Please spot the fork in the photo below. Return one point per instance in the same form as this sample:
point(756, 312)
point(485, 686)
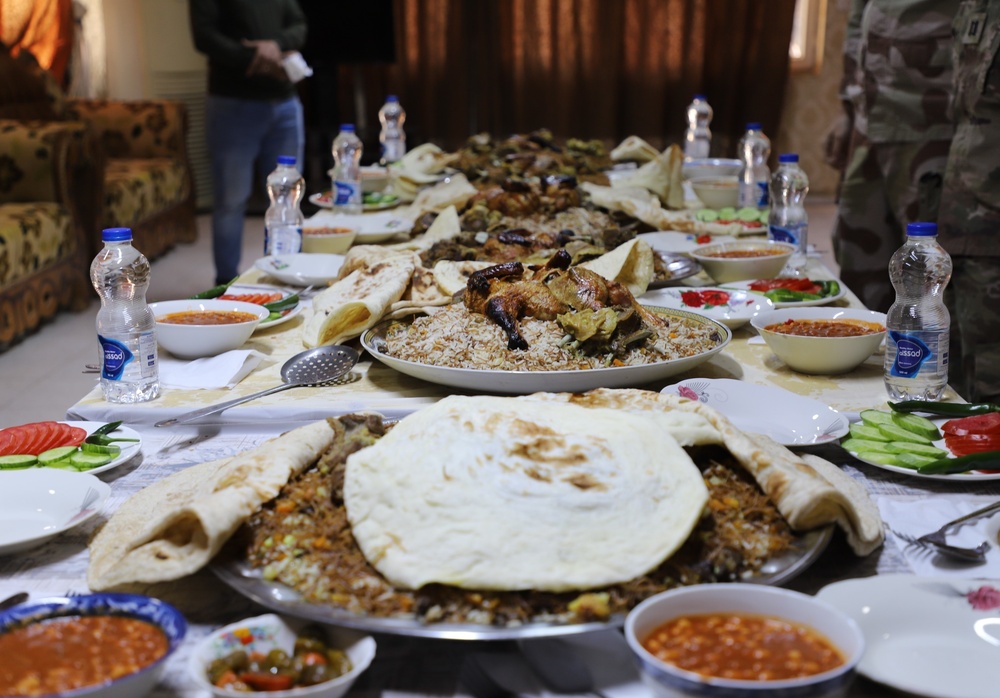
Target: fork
point(936, 541)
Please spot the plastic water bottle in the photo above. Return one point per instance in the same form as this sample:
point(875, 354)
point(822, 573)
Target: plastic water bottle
point(283, 218)
point(755, 176)
point(698, 136)
point(126, 328)
point(347, 149)
point(916, 348)
point(788, 220)
point(392, 137)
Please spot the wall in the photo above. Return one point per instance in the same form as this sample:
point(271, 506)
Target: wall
point(812, 104)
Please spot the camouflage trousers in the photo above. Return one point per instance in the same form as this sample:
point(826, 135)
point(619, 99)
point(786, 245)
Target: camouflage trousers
point(973, 299)
point(885, 186)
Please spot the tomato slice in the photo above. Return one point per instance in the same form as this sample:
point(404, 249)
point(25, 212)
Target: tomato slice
point(972, 443)
point(42, 434)
point(74, 435)
point(792, 284)
point(978, 424)
point(6, 441)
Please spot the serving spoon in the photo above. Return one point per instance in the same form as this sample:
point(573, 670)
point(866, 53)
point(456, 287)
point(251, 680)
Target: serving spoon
point(313, 367)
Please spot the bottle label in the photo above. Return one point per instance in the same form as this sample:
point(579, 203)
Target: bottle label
point(917, 349)
point(763, 196)
point(282, 240)
point(788, 233)
point(116, 357)
point(147, 355)
point(346, 193)
point(754, 194)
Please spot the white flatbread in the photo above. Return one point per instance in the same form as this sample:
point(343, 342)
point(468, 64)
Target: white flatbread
point(507, 494)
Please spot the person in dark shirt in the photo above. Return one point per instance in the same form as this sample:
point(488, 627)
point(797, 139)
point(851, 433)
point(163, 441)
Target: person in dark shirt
point(253, 113)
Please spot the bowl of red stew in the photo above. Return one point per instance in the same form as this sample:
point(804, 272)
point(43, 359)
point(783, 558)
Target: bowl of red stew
point(94, 645)
point(823, 341)
point(743, 259)
point(282, 657)
point(743, 640)
point(194, 328)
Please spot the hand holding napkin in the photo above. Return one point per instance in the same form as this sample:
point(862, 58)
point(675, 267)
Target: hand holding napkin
point(919, 515)
point(213, 372)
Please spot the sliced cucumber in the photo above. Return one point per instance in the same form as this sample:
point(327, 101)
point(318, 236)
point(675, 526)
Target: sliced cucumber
point(707, 215)
point(86, 461)
point(109, 450)
point(868, 433)
point(882, 457)
point(917, 424)
point(914, 460)
point(55, 455)
point(858, 445)
point(17, 461)
point(748, 213)
point(914, 447)
point(875, 417)
point(897, 433)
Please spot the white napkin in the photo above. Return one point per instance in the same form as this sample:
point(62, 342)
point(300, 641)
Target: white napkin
point(213, 372)
point(915, 515)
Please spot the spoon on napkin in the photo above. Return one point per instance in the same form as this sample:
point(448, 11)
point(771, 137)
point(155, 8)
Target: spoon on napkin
point(312, 367)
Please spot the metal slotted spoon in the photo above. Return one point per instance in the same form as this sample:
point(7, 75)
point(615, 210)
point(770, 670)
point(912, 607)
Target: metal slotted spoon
point(312, 367)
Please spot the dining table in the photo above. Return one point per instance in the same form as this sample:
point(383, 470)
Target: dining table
point(423, 666)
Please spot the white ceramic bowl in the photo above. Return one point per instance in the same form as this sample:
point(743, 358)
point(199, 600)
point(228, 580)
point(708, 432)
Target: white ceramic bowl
point(710, 167)
point(159, 613)
point(328, 240)
point(269, 631)
point(195, 341)
point(717, 191)
point(821, 355)
point(668, 681)
point(726, 269)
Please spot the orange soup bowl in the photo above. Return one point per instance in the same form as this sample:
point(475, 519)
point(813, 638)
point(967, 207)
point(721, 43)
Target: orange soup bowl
point(816, 647)
point(743, 259)
point(329, 240)
point(195, 328)
point(822, 341)
point(137, 635)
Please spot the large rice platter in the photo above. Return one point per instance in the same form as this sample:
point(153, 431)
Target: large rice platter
point(555, 508)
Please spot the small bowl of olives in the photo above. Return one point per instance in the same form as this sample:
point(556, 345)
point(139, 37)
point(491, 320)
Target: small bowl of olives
point(281, 657)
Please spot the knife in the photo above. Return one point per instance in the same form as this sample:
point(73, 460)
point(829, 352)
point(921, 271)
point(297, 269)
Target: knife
point(945, 409)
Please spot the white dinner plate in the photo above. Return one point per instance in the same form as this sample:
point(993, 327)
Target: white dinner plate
point(730, 307)
point(745, 286)
point(302, 268)
point(524, 382)
point(788, 418)
point(930, 636)
point(682, 243)
point(371, 227)
point(972, 475)
point(325, 200)
point(240, 289)
point(38, 504)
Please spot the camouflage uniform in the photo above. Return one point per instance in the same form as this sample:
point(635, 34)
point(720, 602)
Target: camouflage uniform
point(897, 81)
point(969, 224)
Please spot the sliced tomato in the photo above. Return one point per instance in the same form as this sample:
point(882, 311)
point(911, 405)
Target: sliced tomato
point(23, 436)
point(263, 681)
point(74, 435)
point(972, 443)
point(42, 434)
point(258, 298)
point(793, 284)
point(6, 440)
point(979, 424)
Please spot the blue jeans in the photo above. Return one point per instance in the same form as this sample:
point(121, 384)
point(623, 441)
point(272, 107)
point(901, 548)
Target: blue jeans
point(239, 133)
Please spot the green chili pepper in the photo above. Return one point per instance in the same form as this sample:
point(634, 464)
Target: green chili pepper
point(100, 435)
point(787, 295)
point(829, 288)
point(215, 291)
point(106, 429)
point(944, 409)
point(987, 460)
point(283, 304)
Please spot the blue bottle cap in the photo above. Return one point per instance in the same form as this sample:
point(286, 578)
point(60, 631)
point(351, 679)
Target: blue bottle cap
point(116, 234)
point(753, 126)
point(921, 229)
point(286, 160)
point(700, 96)
point(788, 157)
point(347, 127)
point(392, 98)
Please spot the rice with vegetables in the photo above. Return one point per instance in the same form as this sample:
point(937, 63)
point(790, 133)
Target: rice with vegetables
point(454, 337)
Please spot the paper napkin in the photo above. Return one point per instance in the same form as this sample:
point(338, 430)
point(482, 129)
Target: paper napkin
point(213, 372)
point(915, 516)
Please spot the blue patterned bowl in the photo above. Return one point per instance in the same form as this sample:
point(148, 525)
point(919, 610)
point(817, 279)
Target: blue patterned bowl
point(159, 613)
point(666, 680)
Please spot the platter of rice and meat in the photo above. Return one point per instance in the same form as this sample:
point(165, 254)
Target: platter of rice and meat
point(483, 518)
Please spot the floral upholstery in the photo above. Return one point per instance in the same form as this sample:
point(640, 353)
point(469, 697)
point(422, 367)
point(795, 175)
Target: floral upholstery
point(136, 189)
point(140, 129)
point(32, 237)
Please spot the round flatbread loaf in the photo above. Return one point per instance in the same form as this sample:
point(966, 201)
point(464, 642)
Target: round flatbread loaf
point(508, 494)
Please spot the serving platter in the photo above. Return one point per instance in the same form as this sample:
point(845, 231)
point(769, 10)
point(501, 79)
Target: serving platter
point(971, 476)
point(524, 382)
point(372, 227)
point(286, 315)
point(745, 286)
point(302, 268)
point(732, 308)
point(680, 243)
point(38, 504)
point(237, 573)
point(670, 268)
point(788, 418)
point(325, 200)
point(929, 636)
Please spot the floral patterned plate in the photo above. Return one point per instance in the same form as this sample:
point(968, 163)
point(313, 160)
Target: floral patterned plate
point(929, 636)
point(732, 308)
point(788, 418)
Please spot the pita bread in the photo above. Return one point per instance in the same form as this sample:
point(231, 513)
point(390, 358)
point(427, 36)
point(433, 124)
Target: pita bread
point(509, 494)
point(635, 149)
point(808, 491)
point(452, 277)
point(455, 191)
point(662, 176)
point(630, 263)
point(356, 302)
point(175, 526)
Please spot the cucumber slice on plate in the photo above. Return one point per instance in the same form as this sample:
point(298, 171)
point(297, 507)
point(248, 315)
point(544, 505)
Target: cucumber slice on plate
point(868, 433)
point(917, 424)
point(86, 461)
point(875, 417)
point(17, 461)
point(916, 448)
point(110, 449)
point(894, 432)
point(56, 455)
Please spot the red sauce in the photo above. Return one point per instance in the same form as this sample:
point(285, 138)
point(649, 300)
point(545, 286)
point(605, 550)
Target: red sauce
point(206, 317)
point(825, 328)
point(747, 254)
